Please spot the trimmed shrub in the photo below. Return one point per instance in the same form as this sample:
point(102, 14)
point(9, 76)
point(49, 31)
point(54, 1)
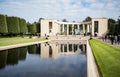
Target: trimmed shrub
point(23, 26)
point(3, 24)
point(32, 29)
point(38, 27)
point(13, 25)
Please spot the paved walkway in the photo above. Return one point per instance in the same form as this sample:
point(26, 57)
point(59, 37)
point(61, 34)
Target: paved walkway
point(77, 37)
point(108, 42)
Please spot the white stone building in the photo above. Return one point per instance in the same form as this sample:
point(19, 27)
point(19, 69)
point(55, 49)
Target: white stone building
point(52, 27)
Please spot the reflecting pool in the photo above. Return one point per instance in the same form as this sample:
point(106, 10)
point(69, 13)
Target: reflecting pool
point(45, 60)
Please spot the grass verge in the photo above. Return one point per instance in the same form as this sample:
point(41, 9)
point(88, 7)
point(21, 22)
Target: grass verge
point(17, 40)
point(107, 57)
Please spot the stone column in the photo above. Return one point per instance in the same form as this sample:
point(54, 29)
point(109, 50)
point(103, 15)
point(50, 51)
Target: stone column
point(83, 48)
point(72, 48)
point(63, 48)
point(72, 28)
point(67, 47)
point(88, 29)
point(67, 29)
point(77, 47)
point(83, 28)
point(91, 28)
point(63, 28)
point(78, 28)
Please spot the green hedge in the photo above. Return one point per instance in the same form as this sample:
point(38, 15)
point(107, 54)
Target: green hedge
point(3, 24)
point(23, 26)
point(37, 27)
point(32, 28)
point(13, 25)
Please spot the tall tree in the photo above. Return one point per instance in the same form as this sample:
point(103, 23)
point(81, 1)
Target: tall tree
point(111, 26)
point(13, 25)
point(23, 26)
point(37, 26)
point(3, 24)
point(40, 19)
point(87, 19)
point(64, 20)
point(118, 25)
point(32, 28)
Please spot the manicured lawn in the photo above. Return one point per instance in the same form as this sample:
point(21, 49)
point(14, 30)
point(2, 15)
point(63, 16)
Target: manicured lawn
point(107, 57)
point(17, 40)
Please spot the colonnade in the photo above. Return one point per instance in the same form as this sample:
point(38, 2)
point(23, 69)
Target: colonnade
point(72, 48)
point(75, 29)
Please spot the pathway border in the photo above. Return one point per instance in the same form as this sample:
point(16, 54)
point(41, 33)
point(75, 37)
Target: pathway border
point(21, 45)
point(92, 70)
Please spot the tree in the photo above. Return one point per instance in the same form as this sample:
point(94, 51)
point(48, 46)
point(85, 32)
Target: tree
point(64, 20)
point(37, 26)
point(40, 19)
point(118, 25)
point(23, 26)
point(111, 26)
point(87, 19)
point(32, 28)
point(13, 25)
point(3, 24)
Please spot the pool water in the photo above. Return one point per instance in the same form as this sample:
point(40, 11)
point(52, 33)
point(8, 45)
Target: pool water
point(44, 60)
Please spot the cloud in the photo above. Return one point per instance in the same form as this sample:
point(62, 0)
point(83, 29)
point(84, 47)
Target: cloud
point(72, 10)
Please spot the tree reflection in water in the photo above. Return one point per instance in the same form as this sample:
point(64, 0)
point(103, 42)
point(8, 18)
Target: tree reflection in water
point(47, 53)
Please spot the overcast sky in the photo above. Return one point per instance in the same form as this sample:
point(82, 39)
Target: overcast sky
point(72, 10)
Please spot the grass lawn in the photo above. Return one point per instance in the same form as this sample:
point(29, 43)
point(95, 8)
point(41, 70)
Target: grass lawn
point(107, 57)
point(17, 40)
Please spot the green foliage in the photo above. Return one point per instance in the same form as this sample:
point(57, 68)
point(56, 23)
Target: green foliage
point(13, 56)
point(37, 27)
point(32, 28)
point(23, 26)
point(30, 36)
point(32, 49)
point(114, 26)
point(111, 26)
point(3, 24)
point(107, 57)
point(3, 58)
point(23, 53)
point(13, 25)
point(64, 20)
point(87, 19)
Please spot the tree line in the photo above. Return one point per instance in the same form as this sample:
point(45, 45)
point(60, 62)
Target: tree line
point(114, 26)
point(13, 26)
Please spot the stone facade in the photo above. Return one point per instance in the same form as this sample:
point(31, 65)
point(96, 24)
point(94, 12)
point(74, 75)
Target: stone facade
point(98, 26)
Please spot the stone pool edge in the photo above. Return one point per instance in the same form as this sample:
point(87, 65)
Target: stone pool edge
point(21, 45)
point(92, 70)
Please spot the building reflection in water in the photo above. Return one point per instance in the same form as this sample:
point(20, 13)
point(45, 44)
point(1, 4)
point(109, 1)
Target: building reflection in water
point(45, 50)
point(52, 50)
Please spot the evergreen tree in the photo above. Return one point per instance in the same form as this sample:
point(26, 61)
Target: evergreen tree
point(3, 24)
point(87, 19)
point(23, 26)
point(32, 28)
point(13, 25)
